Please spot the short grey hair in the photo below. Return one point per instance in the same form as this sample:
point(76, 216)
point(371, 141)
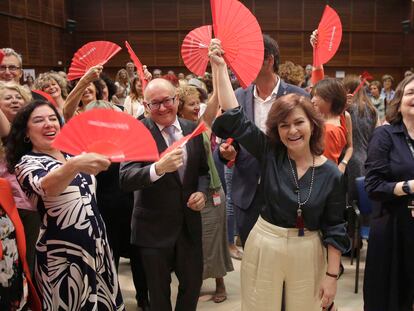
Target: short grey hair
point(11, 52)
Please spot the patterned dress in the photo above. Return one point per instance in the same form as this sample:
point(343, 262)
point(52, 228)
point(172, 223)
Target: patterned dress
point(75, 269)
point(13, 284)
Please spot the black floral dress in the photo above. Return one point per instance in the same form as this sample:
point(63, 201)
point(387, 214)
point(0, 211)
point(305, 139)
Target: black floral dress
point(13, 285)
point(75, 268)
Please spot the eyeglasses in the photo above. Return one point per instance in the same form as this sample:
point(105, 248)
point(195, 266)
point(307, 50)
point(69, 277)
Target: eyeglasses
point(167, 103)
point(11, 68)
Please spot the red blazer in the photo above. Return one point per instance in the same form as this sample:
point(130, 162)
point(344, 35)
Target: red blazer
point(7, 203)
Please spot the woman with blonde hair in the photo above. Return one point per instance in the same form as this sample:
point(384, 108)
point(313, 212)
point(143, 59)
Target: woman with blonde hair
point(55, 85)
point(133, 103)
point(13, 97)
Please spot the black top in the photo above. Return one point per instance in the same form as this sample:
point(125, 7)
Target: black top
point(389, 271)
point(276, 195)
point(389, 161)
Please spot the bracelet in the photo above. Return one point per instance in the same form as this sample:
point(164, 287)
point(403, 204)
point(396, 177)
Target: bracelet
point(335, 276)
point(344, 162)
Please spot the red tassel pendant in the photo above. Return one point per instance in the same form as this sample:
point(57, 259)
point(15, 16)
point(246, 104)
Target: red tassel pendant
point(299, 223)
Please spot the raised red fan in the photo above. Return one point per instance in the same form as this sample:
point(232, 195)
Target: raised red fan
point(329, 37)
point(241, 38)
point(1, 55)
point(194, 49)
point(137, 64)
point(91, 54)
point(114, 134)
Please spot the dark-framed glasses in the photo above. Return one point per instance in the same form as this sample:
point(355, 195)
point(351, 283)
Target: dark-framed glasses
point(167, 103)
point(12, 68)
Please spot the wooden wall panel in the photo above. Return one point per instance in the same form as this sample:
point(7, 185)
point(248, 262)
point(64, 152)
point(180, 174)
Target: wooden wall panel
point(290, 45)
point(46, 11)
point(267, 14)
point(313, 10)
point(363, 15)
point(17, 7)
point(140, 15)
point(165, 14)
point(166, 48)
point(33, 9)
point(362, 47)
point(387, 51)
point(34, 49)
point(115, 16)
point(88, 15)
point(291, 15)
point(17, 30)
point(59, 15)
point(389, 15)
point(190, 14)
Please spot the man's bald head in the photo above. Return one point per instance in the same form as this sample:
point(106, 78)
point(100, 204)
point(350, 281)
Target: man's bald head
point(157, 84)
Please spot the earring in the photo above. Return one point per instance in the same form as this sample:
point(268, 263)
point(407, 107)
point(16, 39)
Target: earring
point(26, 139)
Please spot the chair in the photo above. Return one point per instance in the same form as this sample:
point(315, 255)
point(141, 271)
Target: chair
point(363, 208)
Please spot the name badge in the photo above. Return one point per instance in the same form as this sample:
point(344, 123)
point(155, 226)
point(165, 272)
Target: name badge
point(411, 204)
point(217, 199)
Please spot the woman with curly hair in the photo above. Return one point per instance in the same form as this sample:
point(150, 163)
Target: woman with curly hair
point(55, 85)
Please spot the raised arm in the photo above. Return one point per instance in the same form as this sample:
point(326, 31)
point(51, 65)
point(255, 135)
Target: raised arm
point(226, 97)
point(74, 97)
point(4, 125)
point(212, 104)
point(317, 72)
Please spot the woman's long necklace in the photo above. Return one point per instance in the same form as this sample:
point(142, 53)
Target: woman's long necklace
point(299, 218)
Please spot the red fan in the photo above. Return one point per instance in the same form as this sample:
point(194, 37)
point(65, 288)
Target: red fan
point(114, 134)
point(181, 142)
point(44, 96)
point(364, 77)
point(241, 38)
point(329, 37)
point(194, 49)
point(91, 54)
point(137, 64)
point(1, 55)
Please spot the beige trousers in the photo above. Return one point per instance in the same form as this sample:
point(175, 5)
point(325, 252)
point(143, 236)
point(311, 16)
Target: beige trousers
point(274, 256)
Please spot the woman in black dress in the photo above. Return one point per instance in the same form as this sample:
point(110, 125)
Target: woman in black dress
point(389, 271)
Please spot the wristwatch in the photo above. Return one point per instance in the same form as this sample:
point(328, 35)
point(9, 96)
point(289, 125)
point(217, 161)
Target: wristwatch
point(406, 188)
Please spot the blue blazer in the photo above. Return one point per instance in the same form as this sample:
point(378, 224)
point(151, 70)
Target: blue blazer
point(246, 173)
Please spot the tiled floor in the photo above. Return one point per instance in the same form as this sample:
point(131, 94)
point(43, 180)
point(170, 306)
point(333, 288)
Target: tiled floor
point(346, 300)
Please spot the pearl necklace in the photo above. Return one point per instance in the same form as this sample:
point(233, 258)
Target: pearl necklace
point(299, 217)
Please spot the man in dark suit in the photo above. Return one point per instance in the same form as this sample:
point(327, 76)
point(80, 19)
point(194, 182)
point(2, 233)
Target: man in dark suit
point(168, 197)
point(256, 101)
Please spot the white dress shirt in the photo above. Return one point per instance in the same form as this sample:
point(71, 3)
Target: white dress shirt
point(262, 107)
point(178, 135)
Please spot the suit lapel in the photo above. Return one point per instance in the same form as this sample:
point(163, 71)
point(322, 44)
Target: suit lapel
point(282, 89)
point(248, 94)
point(156, 133)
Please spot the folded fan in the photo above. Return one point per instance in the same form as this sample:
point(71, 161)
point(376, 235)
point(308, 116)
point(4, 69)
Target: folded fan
point(114, 134)
point(181, 142)
point(329, 37)
point(137, 64)
point(91, 54)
